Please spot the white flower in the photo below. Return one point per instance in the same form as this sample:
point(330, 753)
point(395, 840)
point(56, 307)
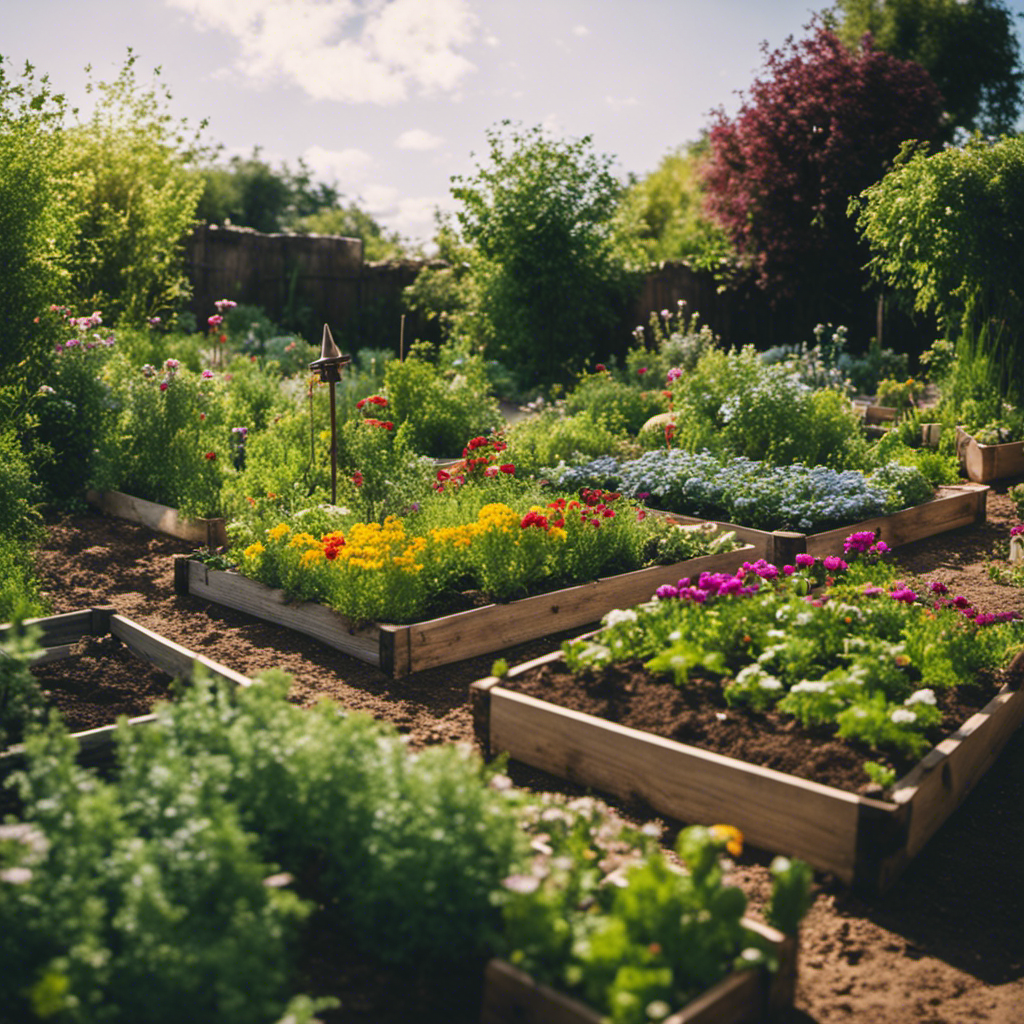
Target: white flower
point(901, 716)
point(617, 615)
point(921, 697)
point(769, 683)
point(808, 686)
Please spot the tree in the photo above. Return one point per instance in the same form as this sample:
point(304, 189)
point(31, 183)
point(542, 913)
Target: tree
point(668, 206)
point(821, 125)
point(551, 264)
point(131, 165)
point(969, 47)
point(946, 230)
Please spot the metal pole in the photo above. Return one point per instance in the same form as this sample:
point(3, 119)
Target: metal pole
point(334, 451)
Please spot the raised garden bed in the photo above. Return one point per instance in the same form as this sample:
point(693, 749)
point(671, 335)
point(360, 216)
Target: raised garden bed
point(984, 463)
point(742, 997)
point(62, 633)
point(953, 506)
point(864, 842)
point(163, 519)
point(400, 650)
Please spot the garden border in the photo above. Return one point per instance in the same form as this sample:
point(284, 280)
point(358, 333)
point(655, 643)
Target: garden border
point(162, 518)
point(60, 633)
point(742, 997)
point(864, 842)
point(986, 462)
point(953, 506)
point(399, 650)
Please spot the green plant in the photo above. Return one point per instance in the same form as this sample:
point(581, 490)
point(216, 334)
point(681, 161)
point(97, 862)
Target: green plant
point(21, 700)
point(550, 438)
point(619, 407)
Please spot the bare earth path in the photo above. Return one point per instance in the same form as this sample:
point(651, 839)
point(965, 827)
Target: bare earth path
point(944, 946)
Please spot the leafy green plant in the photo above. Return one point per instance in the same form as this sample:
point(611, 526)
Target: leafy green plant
point(619, 407)
point(548, 439)
point(22, 703)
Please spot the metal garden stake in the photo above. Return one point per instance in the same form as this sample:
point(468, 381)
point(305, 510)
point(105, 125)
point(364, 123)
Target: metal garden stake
point(329, 367)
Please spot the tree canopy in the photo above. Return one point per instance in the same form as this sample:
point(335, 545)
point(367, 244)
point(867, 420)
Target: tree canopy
point(969, 47)
point(820, 125)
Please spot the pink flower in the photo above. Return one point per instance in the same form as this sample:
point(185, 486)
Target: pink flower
point(834, 564)
point(642, 370)
point(674, 373)
point(938, 588)
point(600, 368)
point(491, 471)
point(904, 594)
point(207, 374)
point(805, 561)
point(163, 385)
point(216, 320)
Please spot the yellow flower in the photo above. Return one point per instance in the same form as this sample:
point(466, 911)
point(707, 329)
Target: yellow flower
point(557, 533)
point(279, 531)
point(730, 835)
point(304, 540)
point(253, 550)
point(310, 556)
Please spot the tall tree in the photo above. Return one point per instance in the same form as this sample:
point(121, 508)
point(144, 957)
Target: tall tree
point(969, 47)
point(820, 125)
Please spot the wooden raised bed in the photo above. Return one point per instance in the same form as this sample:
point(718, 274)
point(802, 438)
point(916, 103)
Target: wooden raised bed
point(400, 650)
point(864, 842)
point(986, 462)
point(209, 532)
point(953, 506)
point(742, 997)
point(60, 633)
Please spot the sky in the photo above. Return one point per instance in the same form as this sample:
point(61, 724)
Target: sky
point(390, 98)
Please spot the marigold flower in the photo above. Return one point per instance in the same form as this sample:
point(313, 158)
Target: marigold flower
point(279, 531)
point(731, 836)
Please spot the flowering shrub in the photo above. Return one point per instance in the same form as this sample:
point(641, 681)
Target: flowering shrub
point(865, 655)
point(752, 493)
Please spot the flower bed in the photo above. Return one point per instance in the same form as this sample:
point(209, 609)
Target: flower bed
point(209, 532)
point(864, 840)
point(58, 635)
point(986, 462)
point(399, 650)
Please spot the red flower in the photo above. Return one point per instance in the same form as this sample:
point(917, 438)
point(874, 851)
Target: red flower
point(442, 476)
point(357, 478)
point(377, 400)
point(333, 543)
point(491, 471)
point(360, 403)
point(533, 519)
point(163, 385)
point(223, 338)
point(210, 456)
point(600, 368)
point(507, 468)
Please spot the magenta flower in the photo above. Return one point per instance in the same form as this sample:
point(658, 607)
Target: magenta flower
point(961, 602)
point(938, 588)
point(870, 591)
point(881, 548)
point(206, 374)
point(1016, 531)
point(833, 563)
point(805, 561)
point(642, 370)
point(215, 321)
point(163, 385)
point(904, 594)
point(859, 542)
point(674, 374)
point(666, 591)
point(788, 570)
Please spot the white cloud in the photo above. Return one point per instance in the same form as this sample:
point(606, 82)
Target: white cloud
point(348, 167)
point(619, 103)
point(417, 138)
point(580, 30)
point(492, 41)
point(357, 51)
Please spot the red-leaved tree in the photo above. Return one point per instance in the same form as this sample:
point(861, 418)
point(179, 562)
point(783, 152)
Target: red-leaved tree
point(821, 124)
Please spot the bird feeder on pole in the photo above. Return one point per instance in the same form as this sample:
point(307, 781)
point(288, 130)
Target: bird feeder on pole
point(328, 366)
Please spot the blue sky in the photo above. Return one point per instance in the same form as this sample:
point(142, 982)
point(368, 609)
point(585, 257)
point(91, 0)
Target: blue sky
point(389, 98)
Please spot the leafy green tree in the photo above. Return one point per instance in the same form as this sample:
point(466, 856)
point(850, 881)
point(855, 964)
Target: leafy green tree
point(969, 48)
point(551, 263)
point(352, 222)
point(38, 217)
point(946, 232)
point(668, 205)
point(131, 164)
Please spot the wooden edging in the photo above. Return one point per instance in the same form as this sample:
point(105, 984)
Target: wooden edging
point(953, 506)
point(401, 650)
point(984, 463)
point(743, 997)
point(865, 843)
point(59, 634)
point(209, 532)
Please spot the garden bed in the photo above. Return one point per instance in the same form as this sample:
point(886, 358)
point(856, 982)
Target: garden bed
point(208, 532)
point(984, 463)
point(742, 997)
point(399, 650)
point(864, 841)
point(954, 506)
point(74, 633)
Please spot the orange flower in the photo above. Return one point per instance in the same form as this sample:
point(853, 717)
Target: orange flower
point(731, 836)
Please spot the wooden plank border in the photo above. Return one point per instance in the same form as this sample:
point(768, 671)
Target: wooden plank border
point(399, 650)
point(511, 996)
point(865, 843)
point(209, 532)
point(984, 463)
point(953, 506)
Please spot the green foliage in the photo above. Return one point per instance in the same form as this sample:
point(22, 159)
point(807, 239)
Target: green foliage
point(440, 407)
point(791, 894)
point(667, 204)
point(21, 700)
point(550, 438)
point(130, 162)
point(674, 339)
point(551, 266)
point(619, 407)
point(38, 219)
point(970, 50)
point(943, 232)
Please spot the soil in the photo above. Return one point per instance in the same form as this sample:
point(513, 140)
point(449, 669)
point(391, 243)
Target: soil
point(944, 946)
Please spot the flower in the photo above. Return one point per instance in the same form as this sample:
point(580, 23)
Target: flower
point(207, 374)
point(163, 385)
point(833, 563)
point(921, 697)
point(860, 542)
point(600, 368)
point(215, 321)
point(357, 478)
point(730, 835)
point(642, 370)
point(804, 561)
point(507, 468)
point(210, 456)
point(225, 304)
point(904, 594)
point(253, 550)
point(901, 716)
point(674, 373)
point(938, 588)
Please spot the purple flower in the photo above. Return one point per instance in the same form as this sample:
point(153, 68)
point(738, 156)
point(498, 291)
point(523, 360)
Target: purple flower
point(765, 570)
point(805, 561)
point(984, 619)
point(240, 430)
point(666, 591)
point(961, 602)
point(938, 588)
point(788, 570)
point(833, 563)
point(1016, 531)
point(731, 586)
point(881, 548)
point(859, 542)
point(904, 594)
point(870, 591)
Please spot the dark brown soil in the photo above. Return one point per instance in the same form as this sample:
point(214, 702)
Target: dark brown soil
point(944, 946)
point(697, 714)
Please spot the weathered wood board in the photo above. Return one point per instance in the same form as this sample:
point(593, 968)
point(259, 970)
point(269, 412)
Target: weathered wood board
point(865, 843)
point(400, 650)
point(210, 532)
point(953, 506)
point(984, 463)
point(744, 997)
